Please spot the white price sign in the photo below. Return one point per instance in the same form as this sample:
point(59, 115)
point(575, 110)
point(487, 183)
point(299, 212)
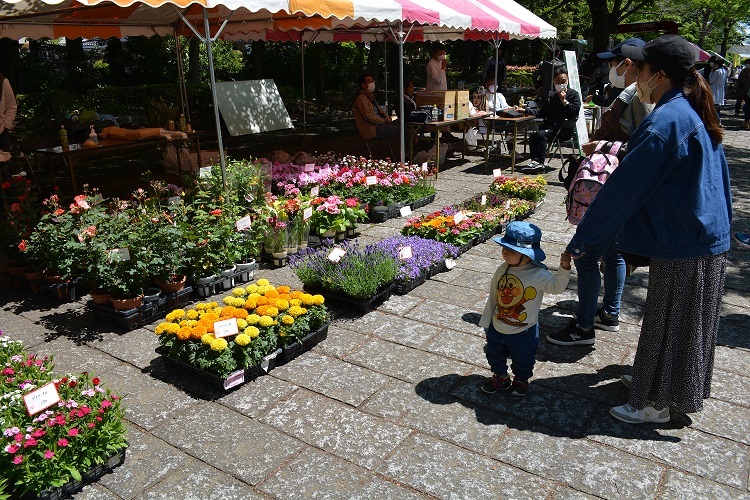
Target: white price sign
point(424, 167)
point(404, 253)
point(498, 172)
point(243, 223)
point(41, 399)
point(307, 213)
point(458, 217)
point(309, 167)
point(335, 254)
point(484, 199)
point(314, 191)
point(226, 328)
point(174, 200)
point(405, 211)
point(119, 255)
point(450, 264)
point(234, 379)
point(371, 180)
point(204, 172)
point(507, 204)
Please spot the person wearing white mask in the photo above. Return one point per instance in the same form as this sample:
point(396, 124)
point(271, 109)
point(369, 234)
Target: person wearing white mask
point(562, 104)
point(718, 82)
point(436, 76)
point(372, 122)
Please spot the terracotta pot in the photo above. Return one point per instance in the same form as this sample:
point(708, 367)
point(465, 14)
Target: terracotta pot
point(15, 269)
point(52, 279)
point(127, 304)
point(33, 275)
point(174, 285)
point(99, 296)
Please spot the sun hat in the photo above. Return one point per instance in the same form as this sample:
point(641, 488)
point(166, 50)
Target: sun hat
point(617, 49)
point(524, 238)
point(671, 53)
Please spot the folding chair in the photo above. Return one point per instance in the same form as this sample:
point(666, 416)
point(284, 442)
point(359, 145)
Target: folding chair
point(555, 145)
point(380, 146)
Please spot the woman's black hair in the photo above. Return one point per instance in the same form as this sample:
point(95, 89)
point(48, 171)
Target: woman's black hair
point(363, 79)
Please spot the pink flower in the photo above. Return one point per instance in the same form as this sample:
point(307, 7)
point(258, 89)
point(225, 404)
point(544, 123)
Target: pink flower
point(38, 433)
point(62, 442)
point(30, 442)
point(12, 448)
point(80, 200)
point(18, 459)
point(91, 425)
point(73, 432)
point(106, 403)
point(48, 454)
point(352, 202)
point(8, 371)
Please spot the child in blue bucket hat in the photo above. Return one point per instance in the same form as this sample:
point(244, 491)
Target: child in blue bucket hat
point(511, 314)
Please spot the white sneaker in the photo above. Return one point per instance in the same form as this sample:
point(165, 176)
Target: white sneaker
point(627, 380)
point(630, 415)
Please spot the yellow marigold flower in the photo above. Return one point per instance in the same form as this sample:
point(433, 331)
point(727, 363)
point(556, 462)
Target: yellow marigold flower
point(192, 314)
point(218, 344)
point(183, 322)
point(217, 310)
point(250, 304)
point(239, 292)
point(173, 328)
point(207, 339)
point(265, 321)
point(179, 313)
point(214, 304)
point(241, 323)
point(296, 294)
point(283, 289)
point(254, 295)
point(272, 294)
point(288, 319)
point(242, 339)
point(227, 301)
point(252, 319)
point(296, 311)
point(281, 304)
point(190, 322)
point(200, 306)
point(251, 332)
point(171, 316)
point(263, 282)
point(184, 333)
point(318, 300)
point(251, 288)
point(282, 333)
point(263, 289)
point(307, 299)
point(160, 328)
point(295, 302)
point(272, 311)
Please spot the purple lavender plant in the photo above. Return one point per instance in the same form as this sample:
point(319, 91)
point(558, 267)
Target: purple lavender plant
point(425, 254)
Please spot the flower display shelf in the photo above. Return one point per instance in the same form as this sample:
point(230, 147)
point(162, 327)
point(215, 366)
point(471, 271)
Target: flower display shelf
point(140, 316)
point(227, 383)
point(422, 202)
point(291, 351)
point(361, 305)
point(90, 476)
point(403, 287)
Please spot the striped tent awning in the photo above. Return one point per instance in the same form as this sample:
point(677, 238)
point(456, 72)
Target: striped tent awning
point(332, 20)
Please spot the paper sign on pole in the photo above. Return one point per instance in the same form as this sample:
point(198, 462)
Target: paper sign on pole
point(204, 172)
point(307, 213)
point(309, 167)
point(174, 200)
point(119, 255)
point(314, 191)
point(458, 217)
point(405, 253)
point(498, 172)
point(371, 180)
point(484, 199)
point(450, 264)
point(243, 223)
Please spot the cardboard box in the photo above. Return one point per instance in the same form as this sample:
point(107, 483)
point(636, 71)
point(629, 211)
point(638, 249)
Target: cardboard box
point(443, 99)
point(462, 109)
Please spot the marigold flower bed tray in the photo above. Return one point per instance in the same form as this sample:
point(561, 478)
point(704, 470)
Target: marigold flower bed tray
point(90, 476)
point(290, 352)
point(231, 381)
point(144, 315)
point(361, 305)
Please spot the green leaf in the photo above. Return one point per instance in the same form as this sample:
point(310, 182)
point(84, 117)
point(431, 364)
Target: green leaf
point(76, 475)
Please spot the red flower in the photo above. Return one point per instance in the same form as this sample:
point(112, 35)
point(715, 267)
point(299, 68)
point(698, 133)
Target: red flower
point(216, 212)
point(106, 403)
point(91, 425)
point(18, 459)
point(72, 383)
point(30, 442)
point(6, 185)
point(95, 381)
point(48, 454)
point(38, 433)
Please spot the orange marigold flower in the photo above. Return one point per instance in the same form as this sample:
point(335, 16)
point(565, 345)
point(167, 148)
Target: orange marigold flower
point(228, 312)
point(261, 310)
point(285, 296)
point(297, 294)
point(184, 333)
point(262, 301)
point(283, 289)
point(198, 332)
point(251, 304)
point(240, 313)
point(272, 294)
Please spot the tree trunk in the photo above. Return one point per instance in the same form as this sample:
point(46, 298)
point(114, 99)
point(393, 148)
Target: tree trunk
point(76, 59)
point(320, 80)
point(725, 38)
point(114, 56)
point(194, 52)
point(9, 62)
point(705, 17)
point(257, 55)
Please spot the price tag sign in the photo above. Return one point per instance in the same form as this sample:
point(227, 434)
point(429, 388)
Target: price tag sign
point(226, 328)
point(314, 191)
point(458, 217)
point(507, 204)
point(371, 180)
point(405, 211)
point(234, 379)
point(404, 253)
point(310, 167)
point(307, 213)
point(335, 254)
point(498, 172)
point(265, 361)
point(119, 255)
point(484, 199)
point(424, 167)
point(204, 172)
point(174, 200)
point(450, 264)
point(243, 223)
point(41, 399)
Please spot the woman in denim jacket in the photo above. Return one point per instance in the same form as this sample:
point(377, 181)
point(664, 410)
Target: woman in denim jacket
point(669, 200)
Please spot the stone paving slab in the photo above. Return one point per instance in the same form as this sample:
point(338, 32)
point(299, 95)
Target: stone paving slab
point(253, 399)
point(230, 441)
point(723, 419)
point(400, 304)
point(678, 485)
point(337, 428)
point(458, 345)
point(136, 347)
point(406, 331)
point(69, 358)
point(340, 341)
point(731, 388)
point(198, 481)
point(454, 316)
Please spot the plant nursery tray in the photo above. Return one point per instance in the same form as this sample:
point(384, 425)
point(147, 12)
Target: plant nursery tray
point(146, 314)
point(66, 291)
point(422, 202)
point(229, 382)
point(486, 235)
point(436, 268)
point(90, 476)
point(466, 247)
point(290, 352)
point(361, 305)
point(404, 287)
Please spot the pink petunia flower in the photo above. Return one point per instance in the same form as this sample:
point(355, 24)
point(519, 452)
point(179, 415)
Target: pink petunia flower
point(18, 459)
point(73, 432)
point(62, 442)
point(48, 454)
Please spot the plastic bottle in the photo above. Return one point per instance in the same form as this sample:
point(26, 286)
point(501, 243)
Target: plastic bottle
point(183, 123)
point(92, 135)
point(63, 137)
point(521, 102)
point(435, 113)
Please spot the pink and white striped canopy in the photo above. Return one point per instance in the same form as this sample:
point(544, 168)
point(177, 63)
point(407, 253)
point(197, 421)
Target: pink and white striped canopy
point(331, 20)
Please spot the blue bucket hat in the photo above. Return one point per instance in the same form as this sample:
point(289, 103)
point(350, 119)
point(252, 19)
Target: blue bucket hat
point(525, 239)
point(617, 50)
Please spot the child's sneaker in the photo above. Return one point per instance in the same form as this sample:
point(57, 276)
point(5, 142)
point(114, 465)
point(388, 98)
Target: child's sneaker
point(495, 383)
point(519, 387)
point(604, 321)
point(572, 335)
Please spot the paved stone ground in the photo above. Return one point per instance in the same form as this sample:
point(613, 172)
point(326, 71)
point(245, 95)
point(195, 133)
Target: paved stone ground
point(388, 405)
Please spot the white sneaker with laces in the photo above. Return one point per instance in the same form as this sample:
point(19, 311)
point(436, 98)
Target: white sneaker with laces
point(630, 415)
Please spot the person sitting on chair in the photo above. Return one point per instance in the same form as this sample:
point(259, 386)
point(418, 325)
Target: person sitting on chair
point(562, 104)
point(372, 121)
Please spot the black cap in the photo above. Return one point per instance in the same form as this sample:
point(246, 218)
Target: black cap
point(617, 49)
point(671, 53)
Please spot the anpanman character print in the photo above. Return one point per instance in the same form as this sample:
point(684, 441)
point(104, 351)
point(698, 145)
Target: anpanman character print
point(510, 297)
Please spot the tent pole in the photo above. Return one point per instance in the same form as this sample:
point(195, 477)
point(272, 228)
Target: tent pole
point(402, 122)
point(222, 158)
point(304, 110)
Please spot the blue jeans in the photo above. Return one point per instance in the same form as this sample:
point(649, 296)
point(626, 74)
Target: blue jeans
point(589, 283)
point(520, 348)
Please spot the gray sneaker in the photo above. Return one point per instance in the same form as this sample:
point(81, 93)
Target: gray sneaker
point(630, 415)
point(627, 380)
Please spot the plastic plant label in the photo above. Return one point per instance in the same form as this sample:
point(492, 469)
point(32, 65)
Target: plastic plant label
point(450, 264)
point(307, 213)
point(174, 200)
point(41, 399)
point(458, 217)
point(309, 167)
point(243, 223)
point(484, 199)
point(405, 211)
point(335, 254)
point(204, 172)
point(498, 172)
point(424, 167)
point(265, 362)
point(371, 180)
point(119, 255)
point(314, 191)
point(234, 379)
point(226, 328)
point(405, 253)
point(507, 204)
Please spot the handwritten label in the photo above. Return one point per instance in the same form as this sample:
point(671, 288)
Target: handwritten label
point(243, 223)
point(371, 180)
point(335, 254)
point(310, 167)
point(484, 199)
point(314, 191)
point(498, 172)
point(450, 264)
point(234, 379)
point(405, 253)
point(458, 217)
point(507, 204)
point(307, 213)
point(424, 167)
point(204, 172)
point(405, 211)
point(119, 255)
point(226, 328)
point(174, 200)
point(41, 399)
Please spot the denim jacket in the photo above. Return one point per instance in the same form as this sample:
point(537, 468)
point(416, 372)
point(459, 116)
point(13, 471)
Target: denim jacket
point(670, 197)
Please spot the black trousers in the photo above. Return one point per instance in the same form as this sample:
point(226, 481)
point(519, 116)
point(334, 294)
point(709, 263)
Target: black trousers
point(538, 141)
